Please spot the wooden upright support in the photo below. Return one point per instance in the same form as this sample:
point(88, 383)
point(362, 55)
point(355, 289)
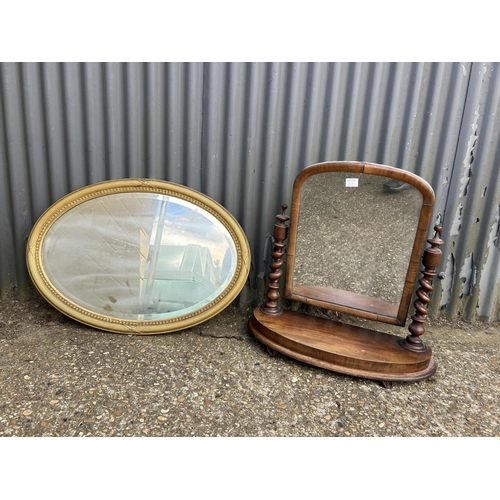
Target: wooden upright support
point(430, 260)
point(271, 306)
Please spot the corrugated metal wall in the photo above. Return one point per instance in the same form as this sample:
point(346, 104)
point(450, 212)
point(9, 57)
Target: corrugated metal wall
point(240, 132)
point(471, 252)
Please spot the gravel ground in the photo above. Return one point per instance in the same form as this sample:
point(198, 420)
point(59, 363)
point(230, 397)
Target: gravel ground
point(61, 378)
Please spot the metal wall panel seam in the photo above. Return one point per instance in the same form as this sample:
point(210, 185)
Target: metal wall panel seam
point(8, 275)
point(398, 95)
point(463, 245)
point(35, 139)
point(460, 231)
point(254, 174)
point(448, 135)
point(16, 166)
point(444, 188)
point(332, 139)
point(485, 297)
point(95, 122)
point(316, 112)
point(270, 161)
point(156, 106)
point(176, 170)
point(136, 118)
point(375, 103)
point(235, 144)
point(193, 123)
point(73, 109)
point(55, 130)
point(117, 119)
point(213, 127)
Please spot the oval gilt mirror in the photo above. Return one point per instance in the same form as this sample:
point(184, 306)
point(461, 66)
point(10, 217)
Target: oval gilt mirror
point(138, 256)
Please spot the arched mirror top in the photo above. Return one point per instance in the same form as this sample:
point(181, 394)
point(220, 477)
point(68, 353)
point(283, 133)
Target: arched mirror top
point(138, 256)
point(364, 168)
point(357, 232)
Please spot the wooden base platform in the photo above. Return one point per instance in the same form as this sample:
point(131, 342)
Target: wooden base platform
point(341, 348)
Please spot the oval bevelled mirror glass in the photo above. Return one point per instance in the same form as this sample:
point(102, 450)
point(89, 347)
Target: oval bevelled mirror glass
point(354, 238)
point(138, 256)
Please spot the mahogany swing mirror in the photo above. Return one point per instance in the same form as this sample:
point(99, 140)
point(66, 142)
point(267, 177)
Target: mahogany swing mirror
point(138, 256)
point(355, 240)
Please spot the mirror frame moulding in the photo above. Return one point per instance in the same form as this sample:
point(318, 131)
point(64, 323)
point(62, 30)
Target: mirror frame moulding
point(382, 314)
point(137, 327)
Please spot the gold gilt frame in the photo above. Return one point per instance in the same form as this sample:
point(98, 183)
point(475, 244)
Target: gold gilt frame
point(138, 327)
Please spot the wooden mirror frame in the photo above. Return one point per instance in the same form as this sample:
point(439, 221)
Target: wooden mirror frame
point(140, 327)
point(341, 347)
point(342, 300)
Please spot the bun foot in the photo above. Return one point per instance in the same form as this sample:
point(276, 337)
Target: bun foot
point(271, 352)
point(387, 384)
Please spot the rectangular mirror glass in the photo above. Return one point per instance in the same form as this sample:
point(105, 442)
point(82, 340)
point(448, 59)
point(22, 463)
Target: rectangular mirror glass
point(352, 238)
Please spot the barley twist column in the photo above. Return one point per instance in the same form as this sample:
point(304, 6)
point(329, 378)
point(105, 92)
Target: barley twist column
point(280, 235)
point(430, 260)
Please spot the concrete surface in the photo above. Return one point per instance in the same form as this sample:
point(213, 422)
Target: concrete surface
point(61, 378)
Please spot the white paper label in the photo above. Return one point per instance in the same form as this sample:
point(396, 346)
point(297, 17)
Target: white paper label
point(351, 183)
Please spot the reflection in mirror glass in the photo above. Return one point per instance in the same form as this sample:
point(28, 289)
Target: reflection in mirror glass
point(356, 233)
point(139, 256)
